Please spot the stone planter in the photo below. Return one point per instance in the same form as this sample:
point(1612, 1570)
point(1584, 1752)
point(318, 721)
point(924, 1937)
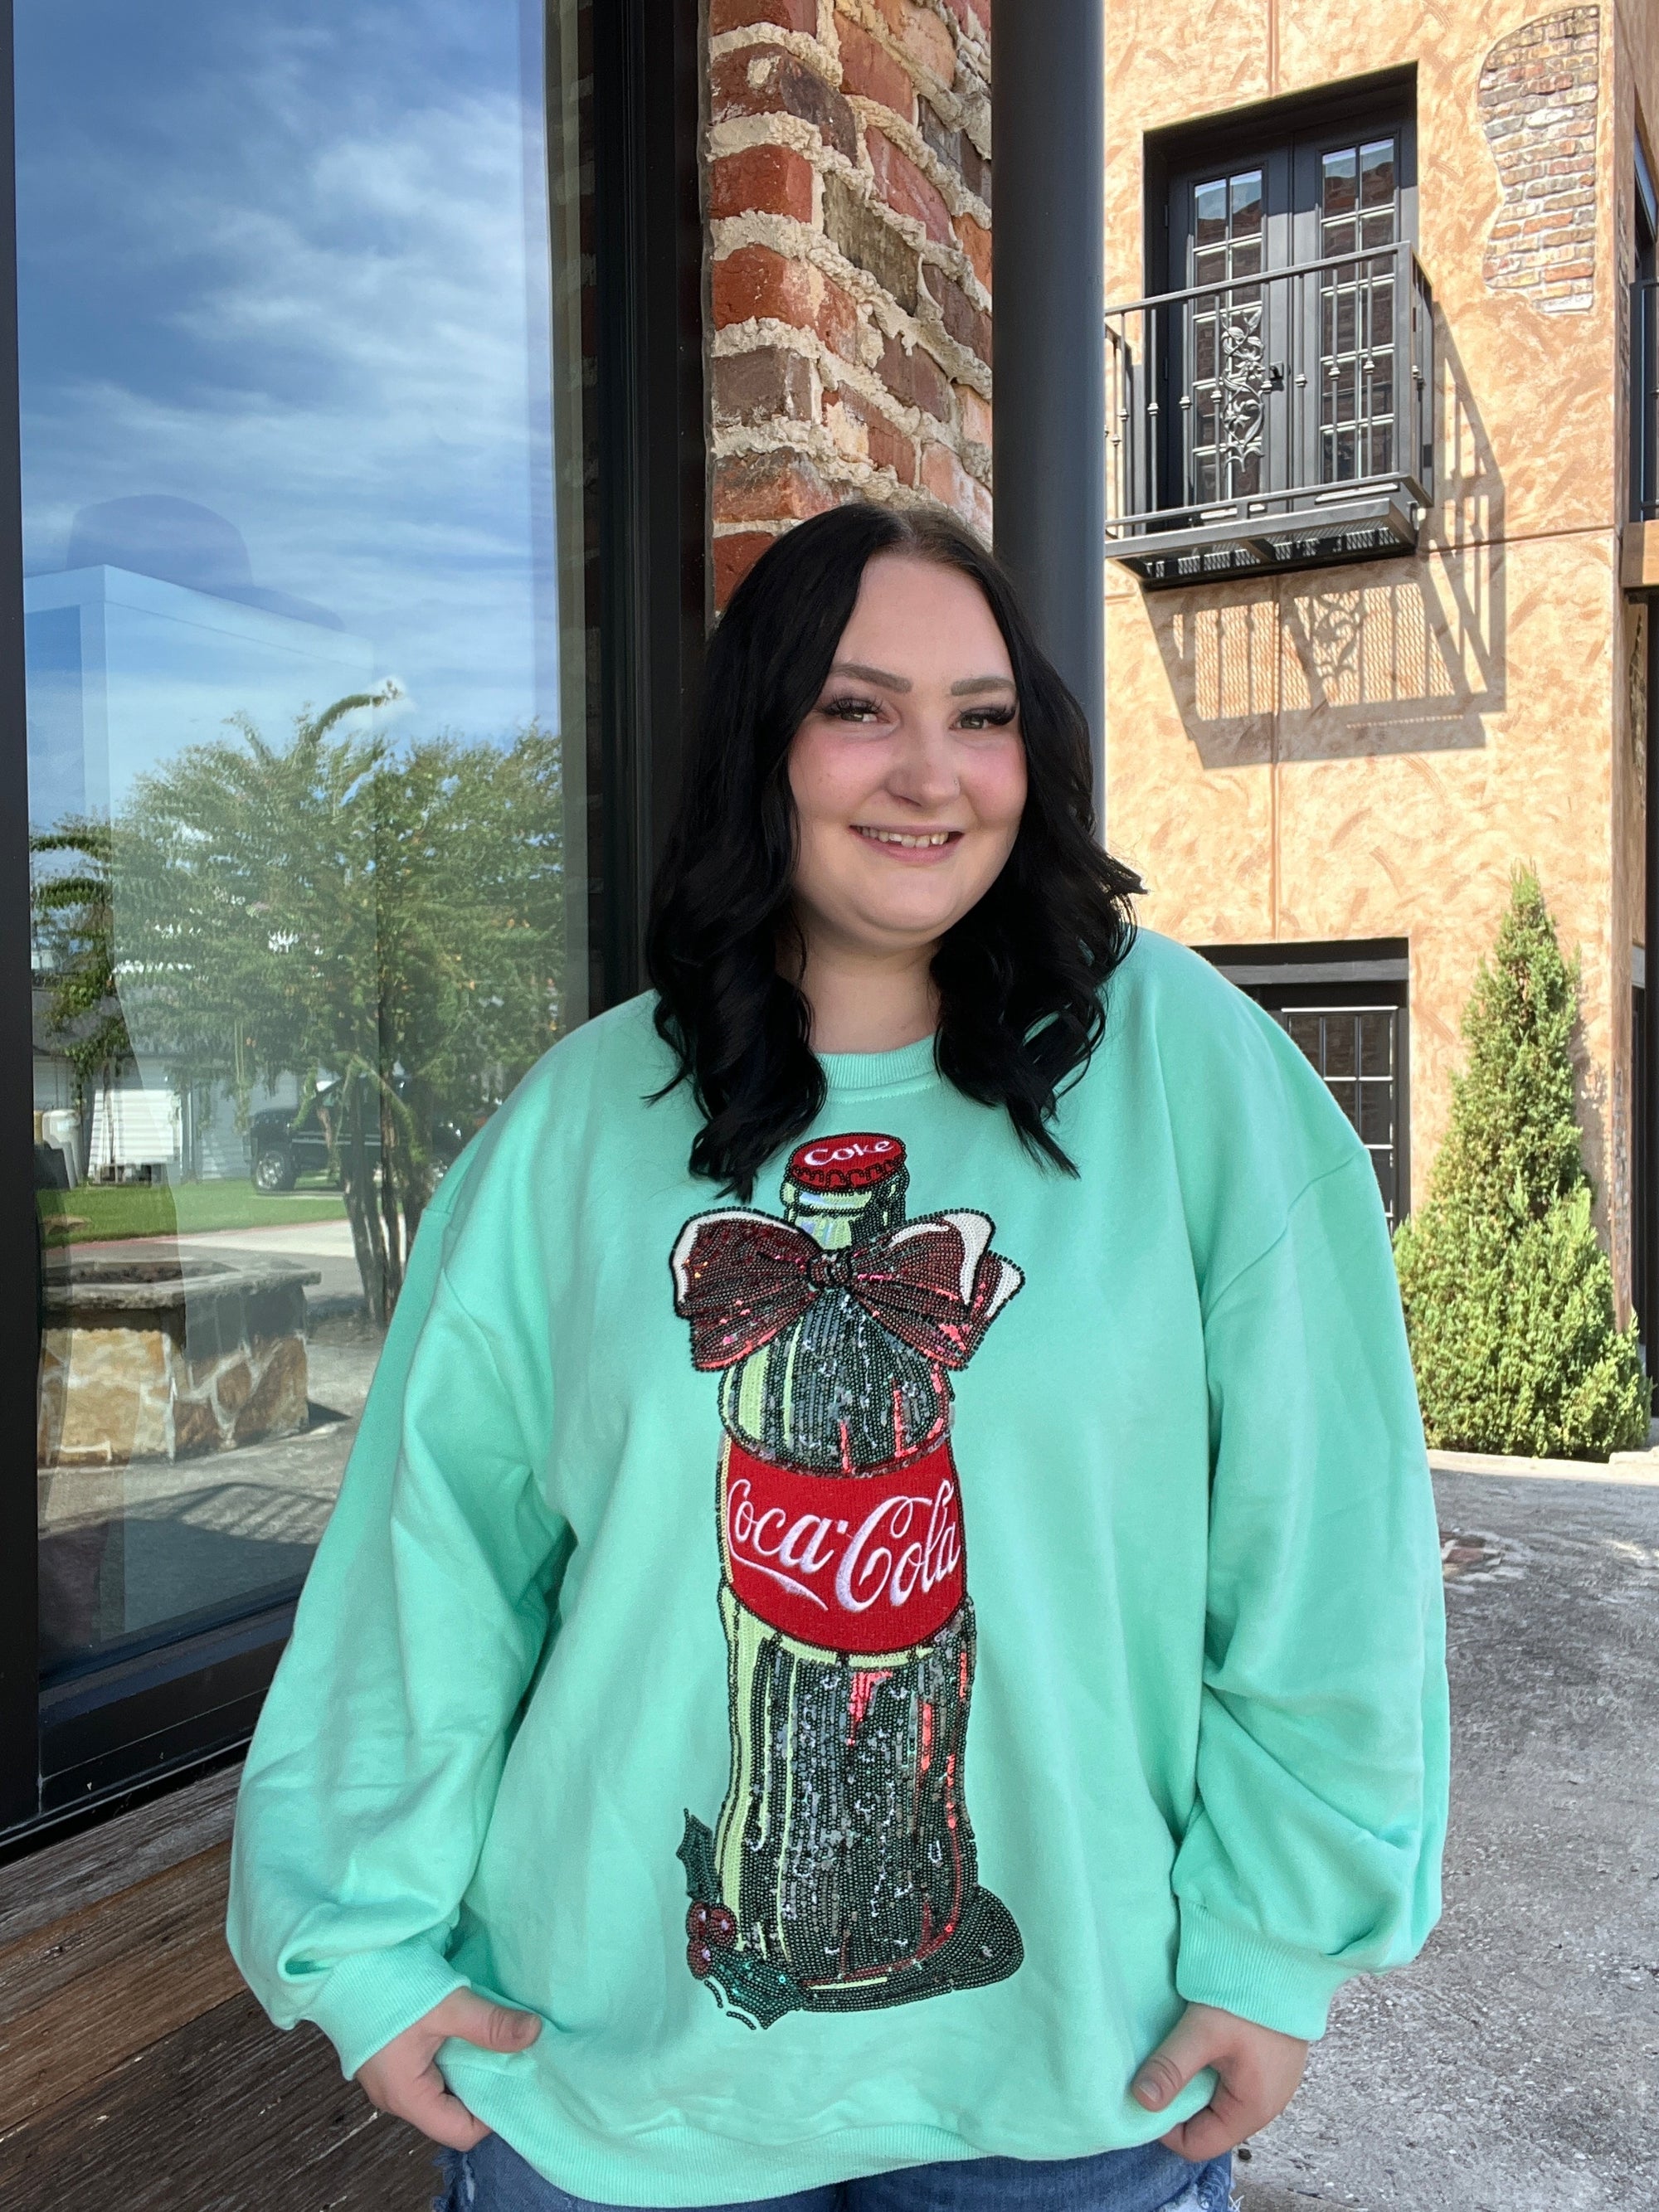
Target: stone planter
point(160, 1359)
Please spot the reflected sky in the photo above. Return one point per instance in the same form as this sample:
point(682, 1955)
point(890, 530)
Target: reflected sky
point(286, 259)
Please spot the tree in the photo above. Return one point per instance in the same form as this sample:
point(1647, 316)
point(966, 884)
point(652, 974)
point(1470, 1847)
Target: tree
point(75, 954)
point(391, 921)
point(1508, 1293)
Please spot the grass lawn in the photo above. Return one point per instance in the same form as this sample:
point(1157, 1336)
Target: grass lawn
point(98, 1211)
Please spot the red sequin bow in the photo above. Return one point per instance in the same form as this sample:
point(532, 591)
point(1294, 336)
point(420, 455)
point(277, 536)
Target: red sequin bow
point(740, 1277)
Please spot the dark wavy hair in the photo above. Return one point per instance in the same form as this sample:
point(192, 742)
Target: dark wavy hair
point(1020, 978)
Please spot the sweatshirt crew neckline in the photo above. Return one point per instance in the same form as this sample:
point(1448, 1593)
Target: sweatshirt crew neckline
point(849, 1072)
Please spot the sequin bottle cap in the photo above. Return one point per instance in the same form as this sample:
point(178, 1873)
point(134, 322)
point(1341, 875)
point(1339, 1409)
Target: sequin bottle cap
point(858, 1162)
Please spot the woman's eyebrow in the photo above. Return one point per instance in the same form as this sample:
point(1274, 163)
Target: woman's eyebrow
point(982, 683)
point(882, 676)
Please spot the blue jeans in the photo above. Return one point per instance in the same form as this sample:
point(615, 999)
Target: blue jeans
point(494, 2178)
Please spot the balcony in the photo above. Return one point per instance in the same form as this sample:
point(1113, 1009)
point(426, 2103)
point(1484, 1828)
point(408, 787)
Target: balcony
point(1277, 421)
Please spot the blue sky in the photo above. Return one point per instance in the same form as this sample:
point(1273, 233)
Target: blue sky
point(287, 259)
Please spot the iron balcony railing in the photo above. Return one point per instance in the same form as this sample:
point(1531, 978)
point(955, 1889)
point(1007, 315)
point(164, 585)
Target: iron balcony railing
point(1283, 417)
point(1644, 399)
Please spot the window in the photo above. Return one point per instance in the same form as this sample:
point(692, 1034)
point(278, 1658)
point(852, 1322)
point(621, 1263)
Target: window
point(314, 742)
point(1640, 1146)
point(1286, 357)
point(1345, 1006)
point(1358, 210)
point(1645, 349)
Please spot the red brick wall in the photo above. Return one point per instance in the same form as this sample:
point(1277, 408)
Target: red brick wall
point(849, 244)
point(1538, 99)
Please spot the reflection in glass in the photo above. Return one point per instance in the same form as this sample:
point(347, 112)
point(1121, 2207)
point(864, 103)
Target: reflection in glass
point(1226, 369)
point(1358, 209)
point(300, 362)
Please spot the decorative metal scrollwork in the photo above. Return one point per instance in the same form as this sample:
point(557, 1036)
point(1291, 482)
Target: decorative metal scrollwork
point(1241, 388)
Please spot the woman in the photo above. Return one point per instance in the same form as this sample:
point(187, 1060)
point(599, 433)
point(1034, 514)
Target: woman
point(943, 1742)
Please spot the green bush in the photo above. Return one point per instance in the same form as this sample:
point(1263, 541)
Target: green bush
point(1508, 1293)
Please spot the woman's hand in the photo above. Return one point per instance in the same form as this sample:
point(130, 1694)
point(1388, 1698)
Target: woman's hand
point(403, 2076)
point(1257, 2070)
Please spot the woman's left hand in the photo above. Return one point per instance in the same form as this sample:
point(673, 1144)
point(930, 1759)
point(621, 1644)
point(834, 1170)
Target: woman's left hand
point(1257, 2071)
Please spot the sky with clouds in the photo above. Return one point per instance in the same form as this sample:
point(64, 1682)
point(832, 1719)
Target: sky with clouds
point(288, 259)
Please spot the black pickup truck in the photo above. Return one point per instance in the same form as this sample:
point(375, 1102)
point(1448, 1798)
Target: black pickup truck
point(284, 1148)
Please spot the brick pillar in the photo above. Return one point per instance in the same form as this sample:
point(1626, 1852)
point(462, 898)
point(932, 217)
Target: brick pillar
point(849, 243)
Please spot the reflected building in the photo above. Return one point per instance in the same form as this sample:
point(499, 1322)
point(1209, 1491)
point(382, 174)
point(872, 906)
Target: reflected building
point(150, 638)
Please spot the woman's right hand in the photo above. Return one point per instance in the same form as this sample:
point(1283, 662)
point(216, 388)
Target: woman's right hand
point(403, 2076)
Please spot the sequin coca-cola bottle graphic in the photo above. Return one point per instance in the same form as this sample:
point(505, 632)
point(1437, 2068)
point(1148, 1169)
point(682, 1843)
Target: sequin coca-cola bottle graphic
point(841, 1873)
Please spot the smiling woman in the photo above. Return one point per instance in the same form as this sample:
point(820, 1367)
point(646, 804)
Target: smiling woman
point(300, 295)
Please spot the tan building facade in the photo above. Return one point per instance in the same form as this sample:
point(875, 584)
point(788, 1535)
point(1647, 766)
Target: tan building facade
point(1368, 641)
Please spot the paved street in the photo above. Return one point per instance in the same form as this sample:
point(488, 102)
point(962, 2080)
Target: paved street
point(1516, 2069)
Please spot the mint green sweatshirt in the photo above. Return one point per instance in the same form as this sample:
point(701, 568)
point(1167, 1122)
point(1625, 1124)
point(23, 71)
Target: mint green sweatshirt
point(853, 1663)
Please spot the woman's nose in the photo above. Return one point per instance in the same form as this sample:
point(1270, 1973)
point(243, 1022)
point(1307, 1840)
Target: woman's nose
point(924, 769)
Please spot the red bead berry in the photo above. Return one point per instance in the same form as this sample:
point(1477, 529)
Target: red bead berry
point(699, 1959)
point(697, 1923)
point(722, 1928)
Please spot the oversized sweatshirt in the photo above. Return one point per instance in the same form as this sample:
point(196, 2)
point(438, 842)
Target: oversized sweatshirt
point(853, 1662)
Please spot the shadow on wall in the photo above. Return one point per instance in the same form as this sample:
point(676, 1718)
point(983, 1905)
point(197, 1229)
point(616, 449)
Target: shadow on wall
point(1408, 657)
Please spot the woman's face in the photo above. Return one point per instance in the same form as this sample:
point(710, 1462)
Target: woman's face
point(909, 775)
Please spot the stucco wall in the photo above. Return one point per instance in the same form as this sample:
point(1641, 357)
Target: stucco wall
point(1368, 751)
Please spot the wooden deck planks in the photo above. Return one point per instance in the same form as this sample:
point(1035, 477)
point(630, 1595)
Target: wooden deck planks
point(137, 2074)
point(64, 1878)
point(132, 1968)
point(224, 2115)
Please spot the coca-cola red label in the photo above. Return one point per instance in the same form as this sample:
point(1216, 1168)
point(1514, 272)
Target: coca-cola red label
point(858, 1563)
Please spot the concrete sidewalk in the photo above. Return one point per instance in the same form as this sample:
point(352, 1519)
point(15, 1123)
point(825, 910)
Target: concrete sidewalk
point(1515, 2067)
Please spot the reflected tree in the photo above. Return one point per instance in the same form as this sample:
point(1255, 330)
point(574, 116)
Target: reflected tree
point(386, 923)
point(73, 920)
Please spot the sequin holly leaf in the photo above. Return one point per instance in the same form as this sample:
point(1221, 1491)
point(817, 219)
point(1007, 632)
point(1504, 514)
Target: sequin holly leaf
point(752, 1990)
point(696, 1855)
point(746, 1986)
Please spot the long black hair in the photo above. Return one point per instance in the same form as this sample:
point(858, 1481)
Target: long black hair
point(1019, 978)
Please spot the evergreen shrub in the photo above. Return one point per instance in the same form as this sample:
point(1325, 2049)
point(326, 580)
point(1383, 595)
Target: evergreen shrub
point(1508, 1293)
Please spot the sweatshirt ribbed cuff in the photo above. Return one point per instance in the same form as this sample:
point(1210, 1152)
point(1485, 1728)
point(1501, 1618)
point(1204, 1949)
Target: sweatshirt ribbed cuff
point(366, 2000)
point(1255, 1976)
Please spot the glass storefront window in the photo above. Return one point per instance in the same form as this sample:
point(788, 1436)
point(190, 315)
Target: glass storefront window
point(300, 350)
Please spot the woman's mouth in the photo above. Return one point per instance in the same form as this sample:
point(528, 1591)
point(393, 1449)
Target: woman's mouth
point(907, 840)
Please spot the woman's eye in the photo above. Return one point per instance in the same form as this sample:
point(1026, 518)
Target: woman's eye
point(988, 718)
point(851, 710)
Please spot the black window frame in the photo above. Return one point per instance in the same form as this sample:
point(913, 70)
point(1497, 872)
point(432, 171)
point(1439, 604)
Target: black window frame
point(1640, 1160)
point(99, 1737)
point(1644, 344)
point(1359, 976)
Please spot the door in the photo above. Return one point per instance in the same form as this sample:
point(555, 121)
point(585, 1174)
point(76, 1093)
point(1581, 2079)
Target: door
point(1229, 225)
point(1354, 370)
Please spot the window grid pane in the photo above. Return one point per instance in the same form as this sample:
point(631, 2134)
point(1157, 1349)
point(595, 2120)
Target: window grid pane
point(1226, 377)
point(1356, 321)
point(1355, 1050)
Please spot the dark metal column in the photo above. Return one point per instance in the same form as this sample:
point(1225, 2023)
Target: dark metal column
point(647, 56)
point(1048, 145)
point(1647, 1137)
